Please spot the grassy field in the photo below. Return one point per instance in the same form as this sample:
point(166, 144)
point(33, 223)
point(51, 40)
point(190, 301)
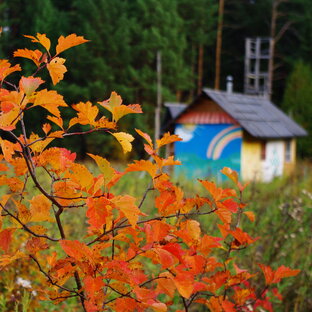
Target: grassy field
point(283, 212)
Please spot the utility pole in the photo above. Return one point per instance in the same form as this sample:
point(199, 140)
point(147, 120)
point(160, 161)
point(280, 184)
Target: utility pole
point(159, 96)
point(275, 37)
point(219, 44)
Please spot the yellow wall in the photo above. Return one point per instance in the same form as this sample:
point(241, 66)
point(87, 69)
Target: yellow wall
point(290, 166)
point(251, 166)
point(251, 163)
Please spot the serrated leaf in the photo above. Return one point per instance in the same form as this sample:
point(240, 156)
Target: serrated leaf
point(30, 84)
point(143, 165)
point(6, 69)
point(65, 43)
point(42, 39)
point(39, 143)
point(250, 215)
point(126, 204)
point(8, 149)
point(105, 167)
point(34, 55)
point(50, 100)
point(125, 140)
point(57, 69)
point(118, 110)
point(77, 250)
point(231, 174)
point(40, 208)
point(5, 239)
point(167, 139)
point(9, 120)
point(145, 136)
point(7, 259)
point(99, 212)
point(185, 284)
point(86, 114)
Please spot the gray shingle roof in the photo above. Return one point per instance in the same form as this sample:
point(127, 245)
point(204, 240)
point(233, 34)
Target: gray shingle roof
point(257, 115)
point(175, 108)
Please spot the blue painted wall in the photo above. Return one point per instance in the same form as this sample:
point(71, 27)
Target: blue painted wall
point(206, 149)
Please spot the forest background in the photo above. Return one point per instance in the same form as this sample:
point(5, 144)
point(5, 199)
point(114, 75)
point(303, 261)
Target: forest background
point(126, 35)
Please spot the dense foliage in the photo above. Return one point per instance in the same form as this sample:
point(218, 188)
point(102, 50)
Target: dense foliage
point(129, 260)
point(126, 36)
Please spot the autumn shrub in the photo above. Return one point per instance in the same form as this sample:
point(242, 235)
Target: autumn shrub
point(128, 259)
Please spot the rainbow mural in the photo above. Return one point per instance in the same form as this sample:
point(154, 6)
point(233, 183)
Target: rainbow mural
point(221, 140)
point(207, 148)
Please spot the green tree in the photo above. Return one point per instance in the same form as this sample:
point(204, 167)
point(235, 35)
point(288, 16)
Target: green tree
point(298, 102)
point(199, 26)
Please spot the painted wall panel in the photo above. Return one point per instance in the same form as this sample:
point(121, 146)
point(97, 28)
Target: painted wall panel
point(251, 165)
point(273, 165)
point(289, 166)
point(206, 149)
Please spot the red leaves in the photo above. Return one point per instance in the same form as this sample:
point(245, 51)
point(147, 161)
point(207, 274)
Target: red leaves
point(5, 239)
point(272, 277)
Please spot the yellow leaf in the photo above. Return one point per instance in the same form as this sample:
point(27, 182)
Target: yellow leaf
point(104, 166)
point(251, 216)
point(57, 69)
point(7, 259)
point(57, 120)
point(143, 165)
point(124, 139)
point(145, 136)
point(81, 175)
point(23, 213)
point(8, 149)
point(69, 41)
point(50, 100)
point(231, 174)
point(86, 114)
point(167, 139)
point(42, 39)
point(126, 204)
point(40, 143)
point(46, 128)
point(40, 208)
point(9, 120)
point(114, 105)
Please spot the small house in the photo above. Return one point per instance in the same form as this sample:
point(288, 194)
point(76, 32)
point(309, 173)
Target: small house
point(244, 132)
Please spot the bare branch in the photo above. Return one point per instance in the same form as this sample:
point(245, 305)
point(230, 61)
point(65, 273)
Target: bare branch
point(51, 280)
point(282, 31)
point(26, 228)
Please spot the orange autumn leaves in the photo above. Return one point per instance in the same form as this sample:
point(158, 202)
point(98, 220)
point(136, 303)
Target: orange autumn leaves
point(15, 103)
point(124, 259)
point(55, 64)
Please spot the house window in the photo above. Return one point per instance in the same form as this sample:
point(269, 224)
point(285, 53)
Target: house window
point(288, 151)
point(263, 153)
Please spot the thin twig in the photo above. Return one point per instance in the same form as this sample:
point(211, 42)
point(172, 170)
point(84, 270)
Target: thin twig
point(51, 280)
point(26, 228)
point(120, 226)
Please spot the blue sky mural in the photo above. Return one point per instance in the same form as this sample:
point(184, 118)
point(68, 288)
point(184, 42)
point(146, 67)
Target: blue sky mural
point(206, 149)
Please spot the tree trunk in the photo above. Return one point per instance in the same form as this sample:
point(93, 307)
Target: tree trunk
point(219, 44)
point(159, 98)
point(200, 68)
point(272, 46)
